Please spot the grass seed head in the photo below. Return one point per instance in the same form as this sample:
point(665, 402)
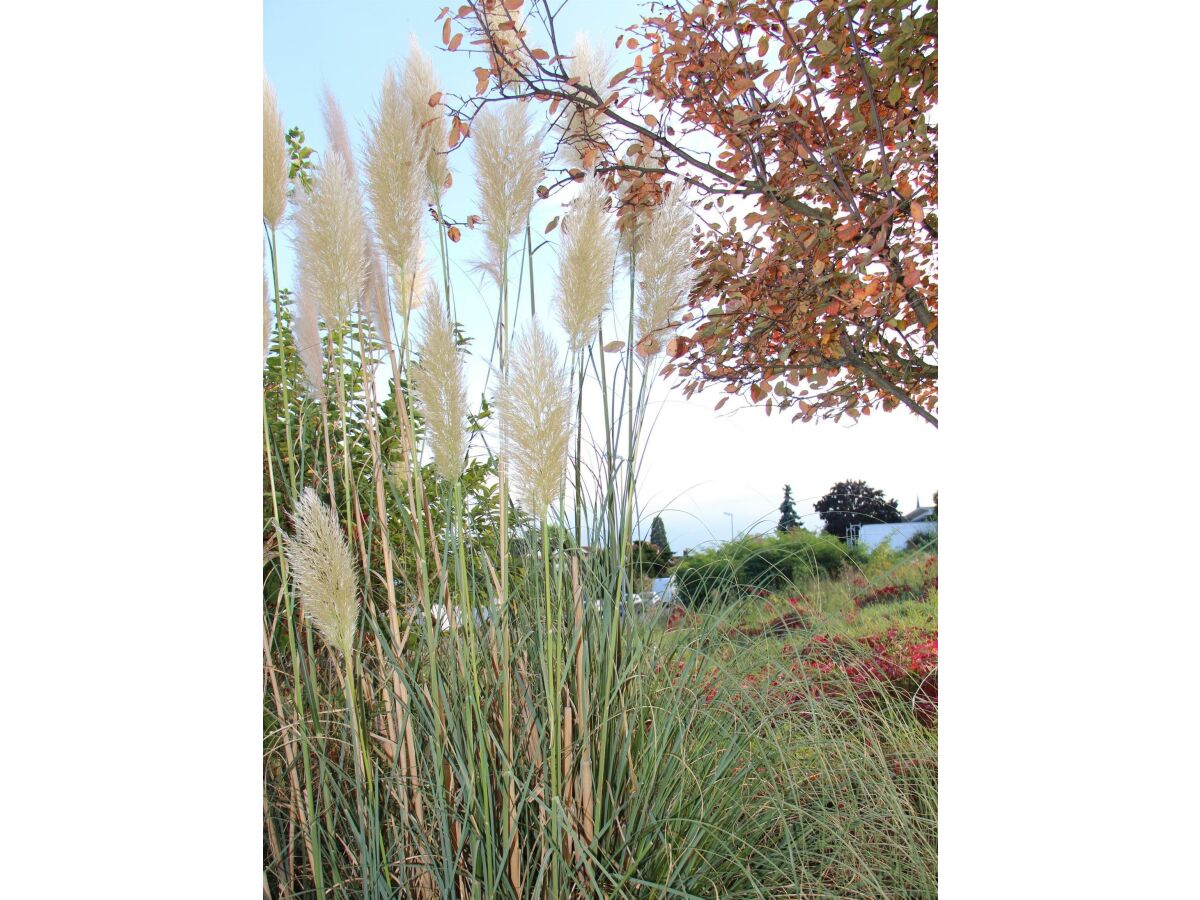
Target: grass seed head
point(275, 159)
point(664, 268)
point(586, 259)
point(397, 188)
point(323, 571)
point(441, 389)
point(582, 129)
point(330, 237)
point(535, 419)
point(508, 163)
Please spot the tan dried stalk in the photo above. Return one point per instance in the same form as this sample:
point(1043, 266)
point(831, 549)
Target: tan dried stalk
point(441, 389)
point(508, 163)
point(323, 571)
point(275, 159)
point(587, 256)
point(535, 419)
point(397, 187)
point(330, 237)
point(664, 269)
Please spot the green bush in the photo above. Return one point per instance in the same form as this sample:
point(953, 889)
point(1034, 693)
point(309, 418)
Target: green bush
point(772, 563)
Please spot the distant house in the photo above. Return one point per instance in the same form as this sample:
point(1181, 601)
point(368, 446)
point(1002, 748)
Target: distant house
point(921, 514)
point(920, 521)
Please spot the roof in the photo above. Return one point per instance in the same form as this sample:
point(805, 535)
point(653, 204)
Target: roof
point(920, 514)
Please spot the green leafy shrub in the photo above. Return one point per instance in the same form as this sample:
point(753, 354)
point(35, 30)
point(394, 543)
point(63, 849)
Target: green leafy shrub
point(772, 563)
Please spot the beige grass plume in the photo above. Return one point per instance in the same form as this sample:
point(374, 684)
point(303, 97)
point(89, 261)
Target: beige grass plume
point(535, 419)
point(583, 131)
point(373, 299)
point(275, 159)
point(323, 571)
point(504, 29)
point(664, 268)
point(330, 237)
point(508, 163)
point(419, 84)
point(441, 388)
point(308, 343)
point(586, 259)
point(397, 188)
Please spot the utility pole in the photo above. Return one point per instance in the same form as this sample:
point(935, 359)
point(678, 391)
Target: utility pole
point(730, 526)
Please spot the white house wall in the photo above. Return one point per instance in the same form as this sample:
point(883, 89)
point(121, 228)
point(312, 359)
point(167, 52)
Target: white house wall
point(898, 535)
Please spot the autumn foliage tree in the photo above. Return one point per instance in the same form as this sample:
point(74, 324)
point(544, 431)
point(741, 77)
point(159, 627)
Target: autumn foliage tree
point(806, 131)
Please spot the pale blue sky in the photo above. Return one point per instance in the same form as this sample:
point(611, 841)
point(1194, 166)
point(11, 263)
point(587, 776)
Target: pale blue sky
point(698, 464)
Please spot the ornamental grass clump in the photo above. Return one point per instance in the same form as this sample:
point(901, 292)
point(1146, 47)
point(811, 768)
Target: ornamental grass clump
point(459, 700)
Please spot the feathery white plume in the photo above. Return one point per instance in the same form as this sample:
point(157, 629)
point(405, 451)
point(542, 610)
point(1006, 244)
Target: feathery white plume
point(308, 343)
point(440, 387)
point(330, 237)
point(505, 30)
point(336, 131)
point(586, 259)
point(508, 163)
point(419, 84)
point(396, 186)
point(665, 274)
point(535, 419)
point(275, 159)
point(323, 571)
point(583, 132)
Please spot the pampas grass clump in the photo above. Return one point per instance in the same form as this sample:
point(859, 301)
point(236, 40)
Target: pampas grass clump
point(588, 253)
point(508, 160)
point(664, 267)
point(441, 388)
point(323, 571)
point(330, 237)
point(535, 419)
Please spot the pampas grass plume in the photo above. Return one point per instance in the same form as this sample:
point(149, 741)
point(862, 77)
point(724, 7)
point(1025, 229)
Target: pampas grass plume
point(323, 571)
point(665, 274)
point(419, 84)
point(587, 256)
point(583, 130)
point(275, 159)
point(308, 344)
point(441, 388)
point(330, 237)
point(504, 29)
point(508, 163)
point(535, 419)
point(397, 188)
